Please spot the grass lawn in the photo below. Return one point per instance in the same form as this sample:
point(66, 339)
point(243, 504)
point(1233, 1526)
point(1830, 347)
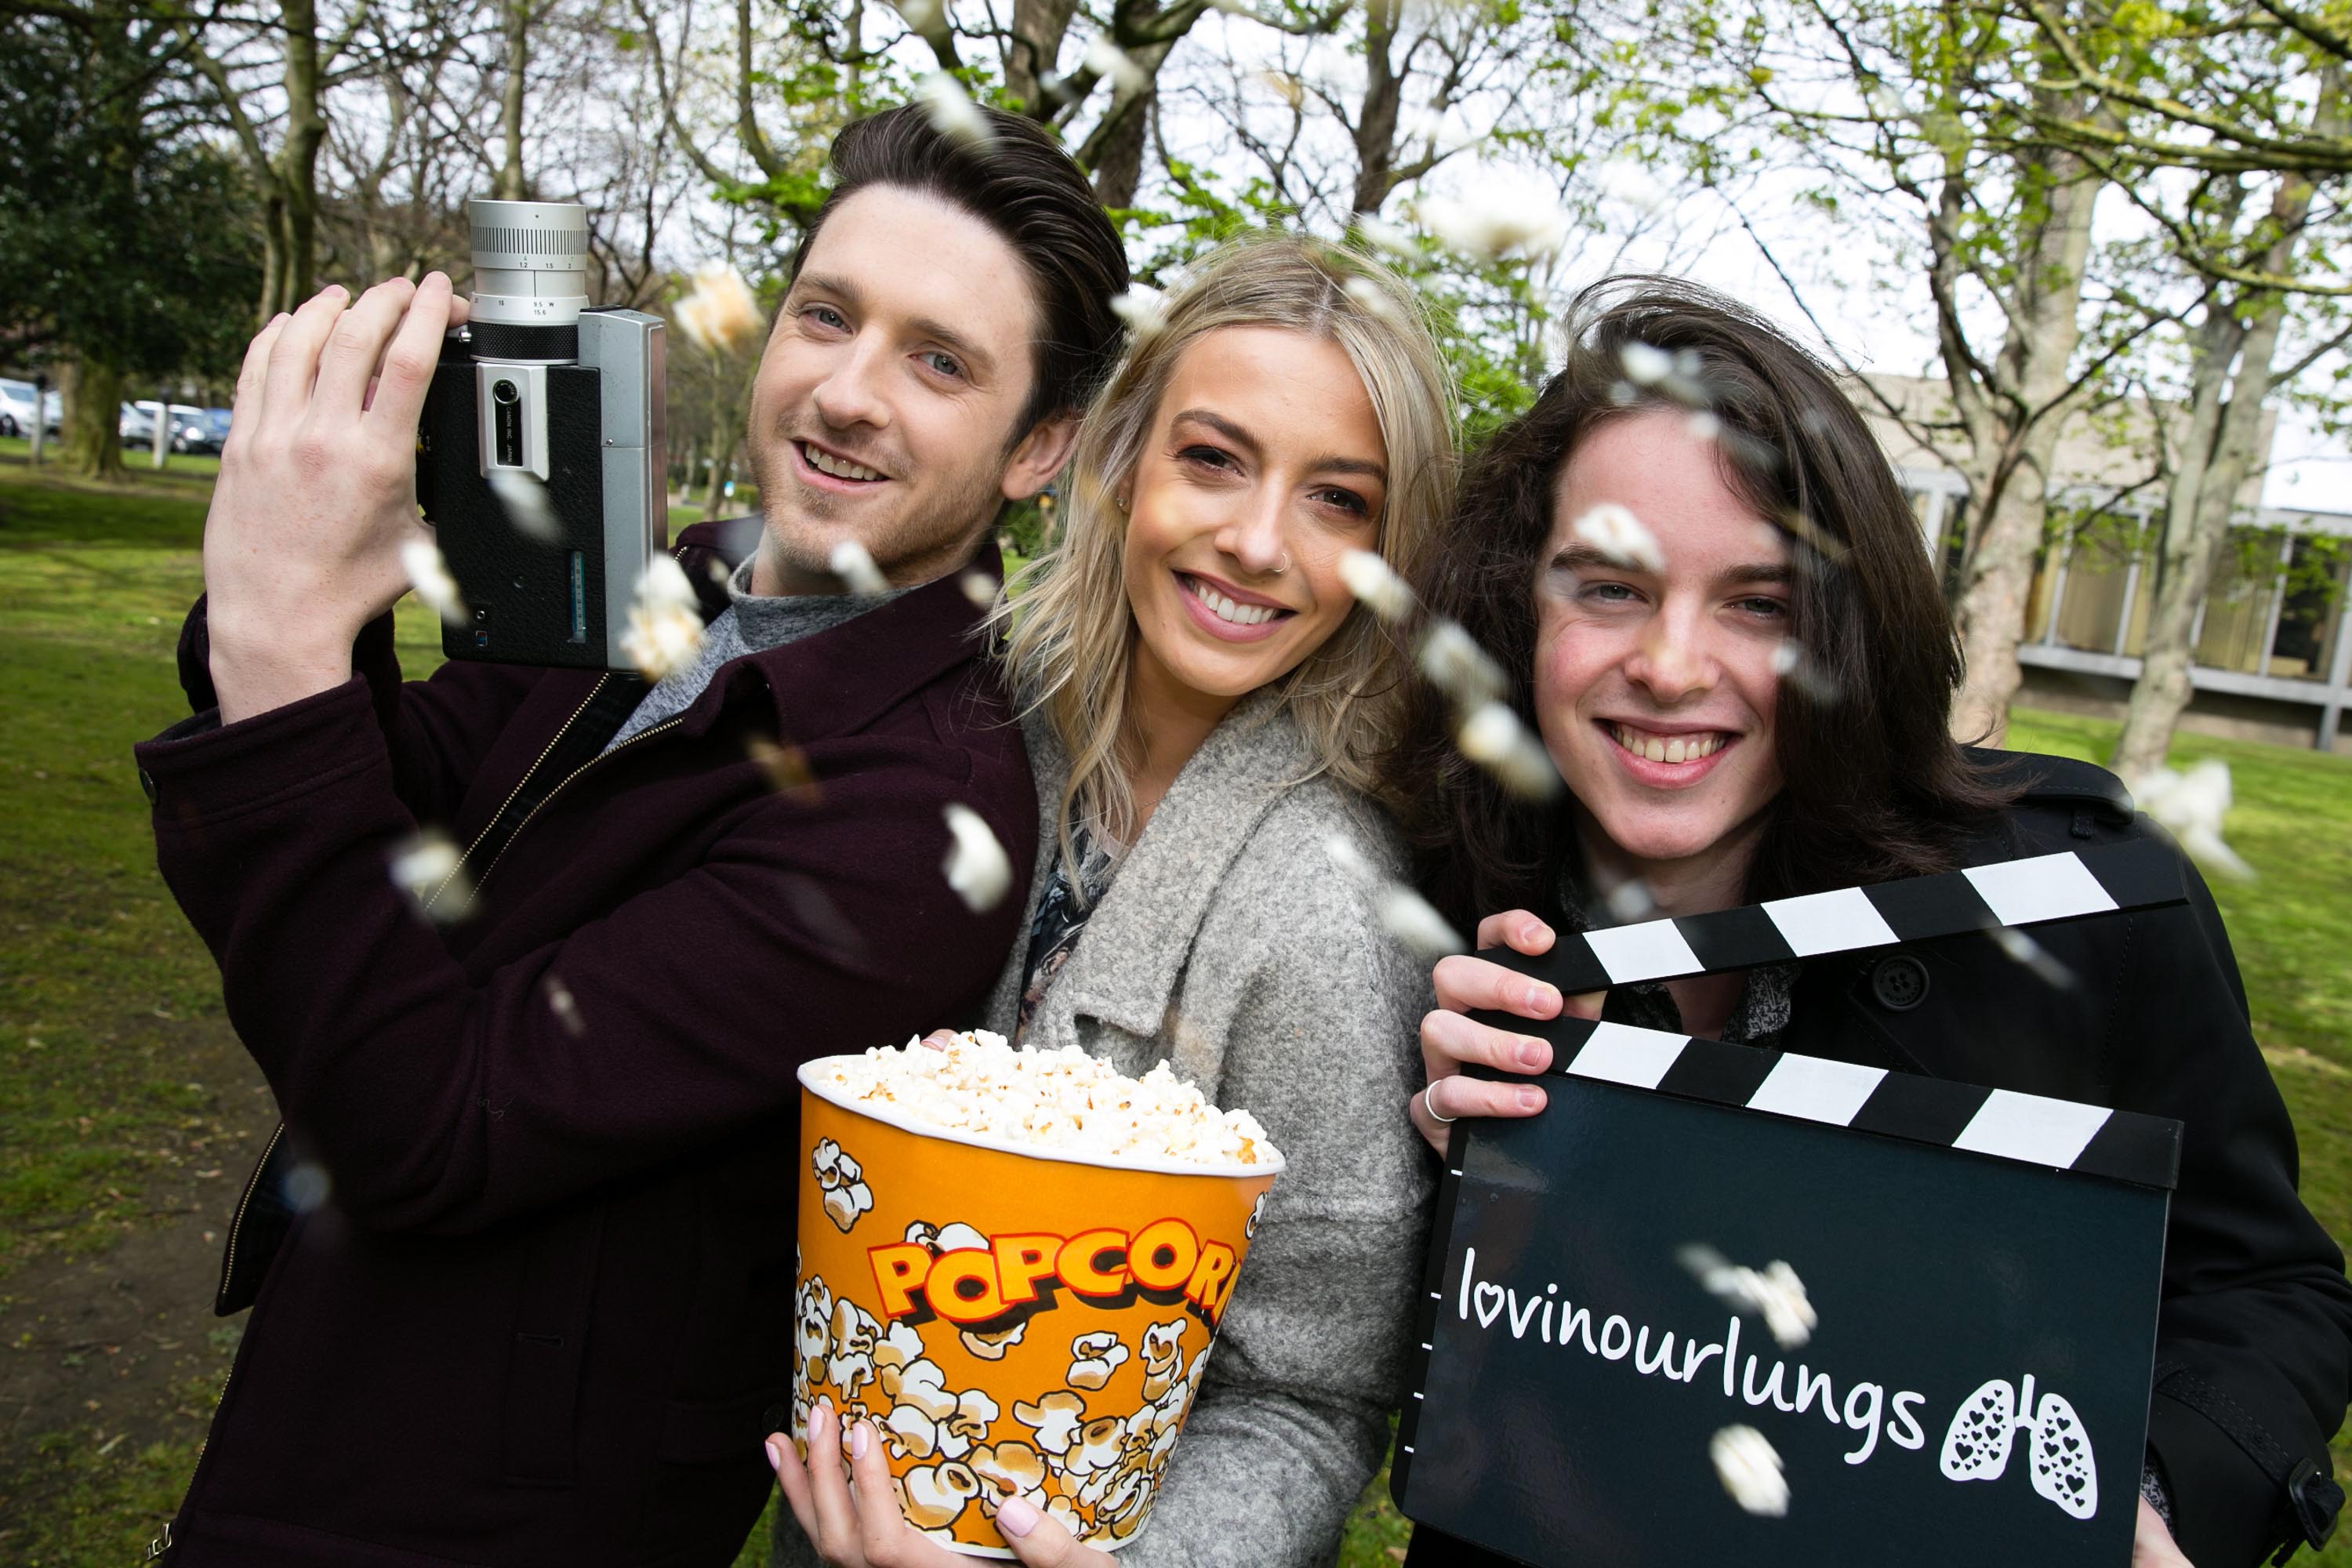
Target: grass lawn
point(102, 1123)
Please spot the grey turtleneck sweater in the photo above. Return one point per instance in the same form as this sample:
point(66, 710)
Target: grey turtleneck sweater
point(751, 622)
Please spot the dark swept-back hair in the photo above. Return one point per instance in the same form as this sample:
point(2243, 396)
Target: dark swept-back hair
point(1875, 786)
point(1022, 185)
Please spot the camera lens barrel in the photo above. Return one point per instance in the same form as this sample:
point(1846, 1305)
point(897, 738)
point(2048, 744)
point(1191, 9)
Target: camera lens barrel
point(530, 280)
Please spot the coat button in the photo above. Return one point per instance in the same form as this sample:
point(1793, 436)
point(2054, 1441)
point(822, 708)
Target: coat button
point(1899, 982)
point(147, 784)
point(775, 1418)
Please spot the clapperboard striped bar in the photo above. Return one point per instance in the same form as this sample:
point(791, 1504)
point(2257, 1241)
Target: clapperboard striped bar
point(2102, 880)
point(2036, 1129)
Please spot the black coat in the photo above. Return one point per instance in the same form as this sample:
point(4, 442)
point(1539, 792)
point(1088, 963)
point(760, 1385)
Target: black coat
point(2256, 1311)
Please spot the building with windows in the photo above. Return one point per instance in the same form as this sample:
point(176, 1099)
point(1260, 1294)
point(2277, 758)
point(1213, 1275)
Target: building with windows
point(2273, 643)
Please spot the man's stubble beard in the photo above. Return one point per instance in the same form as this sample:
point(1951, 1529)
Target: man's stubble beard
point(916, 540)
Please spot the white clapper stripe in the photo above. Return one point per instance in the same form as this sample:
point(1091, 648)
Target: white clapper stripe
point(1839, 920)
point(1816, 1089)
point(1619, 1053)
point(1644, 951)
point(2031, 1128)
point(2039, 888)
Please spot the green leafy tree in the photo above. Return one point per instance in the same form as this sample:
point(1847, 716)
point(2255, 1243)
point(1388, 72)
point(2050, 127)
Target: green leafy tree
point(123, 235)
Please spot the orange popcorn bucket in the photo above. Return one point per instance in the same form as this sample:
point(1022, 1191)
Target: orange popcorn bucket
point(1016, 1321)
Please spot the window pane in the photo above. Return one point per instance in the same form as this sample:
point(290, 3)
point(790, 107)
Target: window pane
point(2311, 616)
point(2090, 611)
point(2238, 606)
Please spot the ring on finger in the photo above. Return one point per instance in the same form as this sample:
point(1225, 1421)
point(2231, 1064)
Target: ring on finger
point(1429, 1106)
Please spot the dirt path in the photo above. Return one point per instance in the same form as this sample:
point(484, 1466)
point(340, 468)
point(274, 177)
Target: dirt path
point(113, 1359)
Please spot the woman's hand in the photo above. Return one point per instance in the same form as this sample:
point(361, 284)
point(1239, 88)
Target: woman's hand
point(1448, 1039)
point(2152, 1543)
point(872, 1533)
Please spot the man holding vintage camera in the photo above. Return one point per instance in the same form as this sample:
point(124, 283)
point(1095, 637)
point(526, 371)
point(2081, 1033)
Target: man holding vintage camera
point(537, 1305)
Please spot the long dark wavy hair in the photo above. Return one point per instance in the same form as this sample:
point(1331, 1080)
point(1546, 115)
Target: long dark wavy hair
point(1874, 786)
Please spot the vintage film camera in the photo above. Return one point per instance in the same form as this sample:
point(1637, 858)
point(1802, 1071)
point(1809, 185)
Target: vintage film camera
point(542, 451)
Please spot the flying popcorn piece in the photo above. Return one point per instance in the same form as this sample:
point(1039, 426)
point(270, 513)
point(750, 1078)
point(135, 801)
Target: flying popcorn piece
point(1774, 1293)
point(952, 111)
point(1404, 914)
point(1631, 183)
point(976, 866)
point(523, 496)
point(1619, 535)
point(1375, 300)
point(979, 588)
point(1631, 901)
point(430, 869)
point(719, 314)
point(855, 566)
point(664, 629)
point(1749, 1468)
point(1457, 666)
point(1389, 236)
point(564, 1005)
point(1284, 86)
point(1493, 737)
point(1376, 584)
point(428, 574)
point(2191, 805)
point(1704, 425)
point(1494, 229)
point(2022, 949)
point(786, 767)
point(1143, 308)
point(1110, 62)
point(1791, 663)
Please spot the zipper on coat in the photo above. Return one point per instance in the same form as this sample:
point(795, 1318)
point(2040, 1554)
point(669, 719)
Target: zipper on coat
point(498, 816)
point(565, 782)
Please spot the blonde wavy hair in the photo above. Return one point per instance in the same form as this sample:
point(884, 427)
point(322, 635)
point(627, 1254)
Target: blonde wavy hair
point(1068, 631)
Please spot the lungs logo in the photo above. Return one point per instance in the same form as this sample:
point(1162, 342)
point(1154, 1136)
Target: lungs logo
point(2058, 1450)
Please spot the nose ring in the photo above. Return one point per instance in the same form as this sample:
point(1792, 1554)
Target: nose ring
point(1286, 565)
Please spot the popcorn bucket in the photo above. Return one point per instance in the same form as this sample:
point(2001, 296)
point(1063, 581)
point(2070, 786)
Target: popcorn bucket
point(1016, 1321)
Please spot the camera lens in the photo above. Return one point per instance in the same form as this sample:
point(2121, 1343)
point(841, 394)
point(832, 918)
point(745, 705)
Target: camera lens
point(504, 391)
point(530, 281)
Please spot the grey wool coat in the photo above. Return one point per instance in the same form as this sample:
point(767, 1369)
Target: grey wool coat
point(1229, 946)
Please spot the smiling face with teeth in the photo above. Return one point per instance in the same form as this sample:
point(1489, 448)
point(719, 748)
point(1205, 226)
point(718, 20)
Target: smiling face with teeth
point(1655, 689)
point(1263, 464)
point(885, 404)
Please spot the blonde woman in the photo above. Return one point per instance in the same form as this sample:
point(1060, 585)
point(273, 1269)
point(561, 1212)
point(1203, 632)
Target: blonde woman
point(1203, 701)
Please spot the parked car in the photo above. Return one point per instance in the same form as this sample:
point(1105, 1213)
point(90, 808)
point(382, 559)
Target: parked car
point(214, 431)
point(17, 401)
point(206, 432)
point(136, 426)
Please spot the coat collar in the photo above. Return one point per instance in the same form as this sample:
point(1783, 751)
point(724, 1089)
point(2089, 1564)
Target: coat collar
point(1135, 943)
point(838, 679)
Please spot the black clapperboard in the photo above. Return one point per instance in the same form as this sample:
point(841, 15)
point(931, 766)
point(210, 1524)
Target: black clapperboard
point(1984, 1267)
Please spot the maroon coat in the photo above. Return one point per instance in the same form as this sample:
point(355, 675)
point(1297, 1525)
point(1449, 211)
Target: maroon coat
point(542, 1314)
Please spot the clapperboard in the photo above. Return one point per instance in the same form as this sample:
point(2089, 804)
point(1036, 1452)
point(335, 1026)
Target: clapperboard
point(1983, 1267)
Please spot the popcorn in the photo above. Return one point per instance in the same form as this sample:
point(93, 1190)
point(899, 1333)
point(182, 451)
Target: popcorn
point(1063, 1099)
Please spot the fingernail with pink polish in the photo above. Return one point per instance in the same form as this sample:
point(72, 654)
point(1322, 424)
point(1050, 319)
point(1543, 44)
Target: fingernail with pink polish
point(1015, 1516)
point(858, 1441)
point(775, 1456)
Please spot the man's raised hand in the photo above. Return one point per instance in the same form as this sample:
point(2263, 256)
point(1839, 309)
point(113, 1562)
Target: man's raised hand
point(318, 487)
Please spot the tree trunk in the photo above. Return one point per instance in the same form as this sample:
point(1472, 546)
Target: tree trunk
point(93, 435)
point(1376, 125)
point(2033, 380)
point(509, 185)
point(1038, 28)
point(2205, 491)
point(296, 167)
point(723, 465)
